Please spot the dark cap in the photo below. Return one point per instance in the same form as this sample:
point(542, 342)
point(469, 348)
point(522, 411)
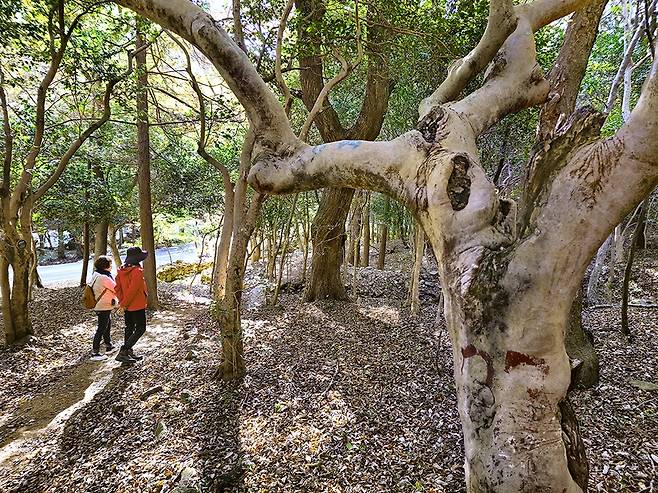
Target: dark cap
point(135, 255)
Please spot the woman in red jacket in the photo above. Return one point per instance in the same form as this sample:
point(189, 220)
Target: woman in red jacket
point(131, 291)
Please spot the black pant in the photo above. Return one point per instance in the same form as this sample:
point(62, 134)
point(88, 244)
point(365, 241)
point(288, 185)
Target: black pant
point(103, 330)
point(135, 327)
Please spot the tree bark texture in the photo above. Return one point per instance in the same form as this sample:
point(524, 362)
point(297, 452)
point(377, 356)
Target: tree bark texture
point(144, 172)
point(328, 229)
point(508, 282)
point(100, 238)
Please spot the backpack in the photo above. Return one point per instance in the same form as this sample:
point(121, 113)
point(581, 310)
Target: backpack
point(89, 301)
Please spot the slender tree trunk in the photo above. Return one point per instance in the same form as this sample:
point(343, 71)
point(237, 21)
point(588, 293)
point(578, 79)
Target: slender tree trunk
point(599, 263)
point(224, 246)
point(643, 209)
point(100, 238)
point(112, 240)
point(383, 235)
point(61, 251)
point(414, 288)
point(580, 348)
point(328, 240)
point(5, 293)
point(365, 219)
point(85, 254)
point(228, 310)
point(144, 173)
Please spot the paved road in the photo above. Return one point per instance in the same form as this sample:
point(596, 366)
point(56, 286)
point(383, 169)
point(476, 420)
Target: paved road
point(52, 275)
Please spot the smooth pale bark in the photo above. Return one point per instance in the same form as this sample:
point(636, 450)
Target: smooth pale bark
point(144, 173)
point(511, 368)
point(565, 79)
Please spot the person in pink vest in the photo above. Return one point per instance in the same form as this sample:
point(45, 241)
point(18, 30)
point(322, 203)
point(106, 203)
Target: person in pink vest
point(132, 294)
point(103, 286)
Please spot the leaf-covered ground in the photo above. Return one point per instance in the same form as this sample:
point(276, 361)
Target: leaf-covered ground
point(339, 397)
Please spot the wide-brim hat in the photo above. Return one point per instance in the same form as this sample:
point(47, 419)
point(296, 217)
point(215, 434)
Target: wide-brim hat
point(135, 255)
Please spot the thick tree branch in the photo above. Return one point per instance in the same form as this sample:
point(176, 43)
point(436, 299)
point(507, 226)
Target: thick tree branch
point(568, 70)
point(388, 167)
point(514, 81)
point(237, 26)
point(266, 115)
point(541, 13)
point(501, 23)
point(345, 70)
point(201, 147)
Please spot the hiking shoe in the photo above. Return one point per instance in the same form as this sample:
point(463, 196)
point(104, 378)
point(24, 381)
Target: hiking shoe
point(109, 348)
point(134, 356)
point(124, 357)
point(98, 357)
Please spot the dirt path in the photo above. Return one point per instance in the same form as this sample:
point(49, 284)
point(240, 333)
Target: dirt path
point(40, 420)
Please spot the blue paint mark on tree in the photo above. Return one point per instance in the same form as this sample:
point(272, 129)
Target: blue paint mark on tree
point(351, 144)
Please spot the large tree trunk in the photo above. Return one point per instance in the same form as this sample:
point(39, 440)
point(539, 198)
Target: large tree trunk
point(100, 238)
point(328, 240)
point(512, 372)
point(144, 173)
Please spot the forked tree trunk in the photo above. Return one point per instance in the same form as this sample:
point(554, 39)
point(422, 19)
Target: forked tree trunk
point(328, 240)
point(144, 172)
